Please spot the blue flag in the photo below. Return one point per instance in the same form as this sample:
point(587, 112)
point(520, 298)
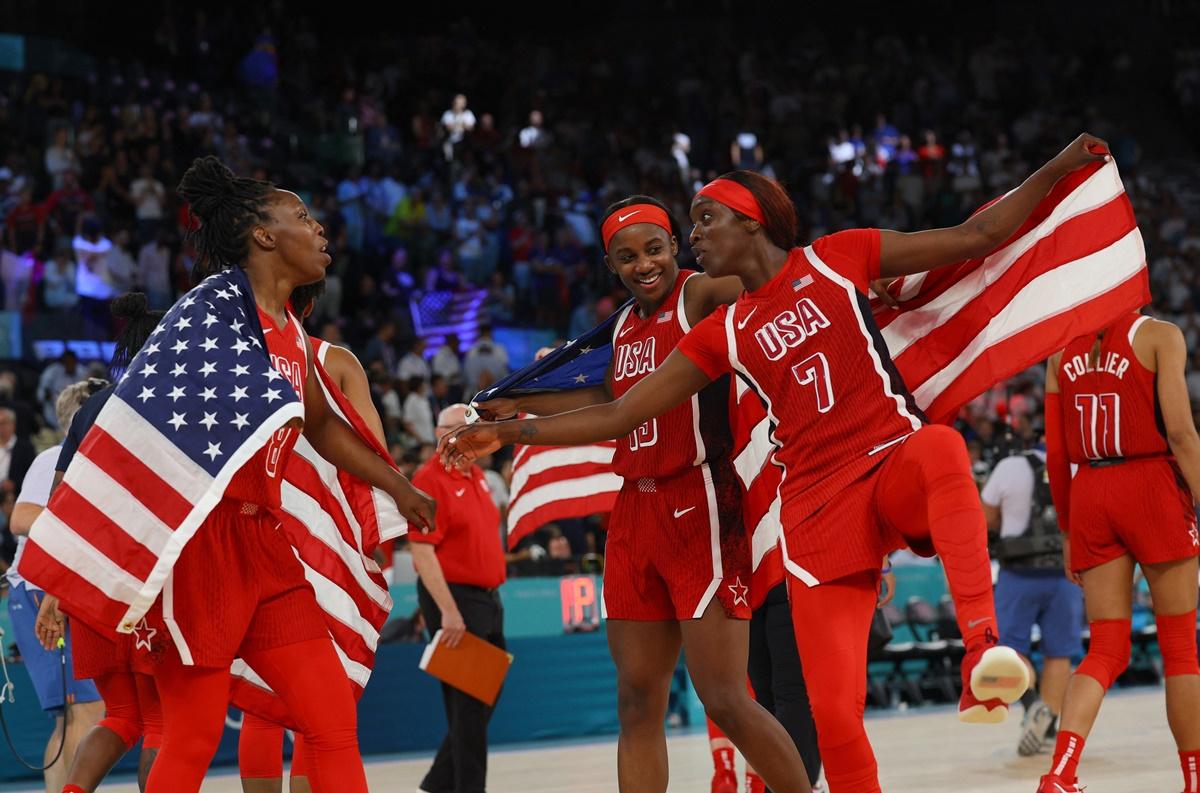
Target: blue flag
point(580, 363)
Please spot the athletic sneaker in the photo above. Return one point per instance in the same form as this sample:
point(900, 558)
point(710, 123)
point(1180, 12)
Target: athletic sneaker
point(993, 676)
point(1056, 784)
point(724, 782)
point(1034, 729)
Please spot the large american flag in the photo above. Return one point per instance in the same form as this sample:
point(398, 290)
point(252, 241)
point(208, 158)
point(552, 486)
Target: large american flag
point(1073, 267)
point(198, 401)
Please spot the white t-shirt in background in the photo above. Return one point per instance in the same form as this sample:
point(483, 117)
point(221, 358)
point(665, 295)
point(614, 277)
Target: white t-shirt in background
point(34, 490)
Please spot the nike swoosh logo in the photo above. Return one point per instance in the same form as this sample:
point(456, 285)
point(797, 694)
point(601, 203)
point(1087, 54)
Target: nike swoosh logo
point(621, 335)
point(681, 512)
point(267, 330)
point(460, 492)
point(746, 318)
point(623, 218)
point(979, 621)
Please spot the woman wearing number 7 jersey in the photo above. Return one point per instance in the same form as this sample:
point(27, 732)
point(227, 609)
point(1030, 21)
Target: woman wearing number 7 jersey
point(863, 472)
point(677, 561)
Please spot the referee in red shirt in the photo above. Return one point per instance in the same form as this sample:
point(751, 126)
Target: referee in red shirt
point(460, 565)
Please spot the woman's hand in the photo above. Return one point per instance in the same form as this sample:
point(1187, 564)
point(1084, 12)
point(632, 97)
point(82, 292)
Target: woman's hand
point(497, 409)
point(416, 506)
point(468, 443)
point(1078, 153)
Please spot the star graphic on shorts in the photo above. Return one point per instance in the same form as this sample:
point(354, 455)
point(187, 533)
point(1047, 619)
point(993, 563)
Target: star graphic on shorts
point(143, 642)
point(740, 592)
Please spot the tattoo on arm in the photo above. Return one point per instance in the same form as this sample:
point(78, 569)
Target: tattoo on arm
point(526, 432)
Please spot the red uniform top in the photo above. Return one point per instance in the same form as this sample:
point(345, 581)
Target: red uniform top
point(467, 530)
point(259, 480)
point(806, 342)
point(1110, 404)
point(686, 435)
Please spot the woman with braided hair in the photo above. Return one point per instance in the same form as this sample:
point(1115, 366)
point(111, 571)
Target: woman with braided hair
point(222, 581)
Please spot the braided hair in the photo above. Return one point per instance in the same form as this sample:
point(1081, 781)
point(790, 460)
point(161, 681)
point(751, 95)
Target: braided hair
point(228, 207)
point(140, 323)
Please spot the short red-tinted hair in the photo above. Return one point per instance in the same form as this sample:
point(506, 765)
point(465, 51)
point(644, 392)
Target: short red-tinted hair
point(779, 212)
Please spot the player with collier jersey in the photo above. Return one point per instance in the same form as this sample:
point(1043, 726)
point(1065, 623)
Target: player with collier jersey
point(1117, 407)
point(677, 559)
point(863, 472)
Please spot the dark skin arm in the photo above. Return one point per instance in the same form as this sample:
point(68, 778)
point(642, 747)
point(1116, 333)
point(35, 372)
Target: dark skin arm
point(348, 373)
point(337, 442)
point(905, 254)
point(702, 296)
point(675, 381)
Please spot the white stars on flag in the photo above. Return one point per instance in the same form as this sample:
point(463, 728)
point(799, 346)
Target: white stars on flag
point(177, 420)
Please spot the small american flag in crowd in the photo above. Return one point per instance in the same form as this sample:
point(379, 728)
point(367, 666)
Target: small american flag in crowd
point(198, 401)
point(1073, 267)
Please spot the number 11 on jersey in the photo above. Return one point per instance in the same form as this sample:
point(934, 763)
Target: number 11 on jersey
point(1099, 424)
point(815, 370)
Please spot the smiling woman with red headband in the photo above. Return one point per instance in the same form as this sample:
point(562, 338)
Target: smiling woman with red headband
point(677, 561)
point(864, 472)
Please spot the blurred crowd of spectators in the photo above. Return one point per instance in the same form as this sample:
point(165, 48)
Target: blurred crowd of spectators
point(460, 163)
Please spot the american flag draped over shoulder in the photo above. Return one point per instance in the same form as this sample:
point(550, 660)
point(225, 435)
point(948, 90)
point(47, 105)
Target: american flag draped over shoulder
point(334, 521)
point(1074, 266)
point(198, 401)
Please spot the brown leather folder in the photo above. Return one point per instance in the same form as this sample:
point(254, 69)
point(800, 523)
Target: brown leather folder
point(474, 667)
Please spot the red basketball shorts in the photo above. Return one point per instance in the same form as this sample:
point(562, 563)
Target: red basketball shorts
point(1139, 507)
point(237, 587)
point(96, 654)
point(675, 543)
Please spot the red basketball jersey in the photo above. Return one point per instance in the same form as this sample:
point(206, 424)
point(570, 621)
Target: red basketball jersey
point(806, 342)
point(1109, 402)
point(687, 435)
point(259, 480)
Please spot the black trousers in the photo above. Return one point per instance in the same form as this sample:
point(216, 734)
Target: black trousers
point(460, 765)
point(777, 678)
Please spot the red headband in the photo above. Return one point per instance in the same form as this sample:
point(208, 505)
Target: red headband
point(734, 196)
point(632, 215)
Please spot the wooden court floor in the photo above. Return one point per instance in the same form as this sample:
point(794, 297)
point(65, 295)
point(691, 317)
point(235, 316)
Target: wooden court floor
point(920, 752)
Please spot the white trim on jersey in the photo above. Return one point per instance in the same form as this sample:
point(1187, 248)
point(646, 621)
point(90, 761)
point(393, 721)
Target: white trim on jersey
point(1133, 329)
point(680, 307)
point(852, 295)
point(681, 316)
point(168, 598)
point(322, 349)
point(714, 532)
point(731, 342)
point(621, 325)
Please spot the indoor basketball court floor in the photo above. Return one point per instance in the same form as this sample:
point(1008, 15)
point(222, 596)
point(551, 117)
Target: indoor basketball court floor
point(919, 752)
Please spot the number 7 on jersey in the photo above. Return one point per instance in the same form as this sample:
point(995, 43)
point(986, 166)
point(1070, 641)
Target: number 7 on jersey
point(815, 370)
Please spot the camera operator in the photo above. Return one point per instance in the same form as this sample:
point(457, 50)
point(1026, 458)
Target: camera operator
point(1032, 588)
